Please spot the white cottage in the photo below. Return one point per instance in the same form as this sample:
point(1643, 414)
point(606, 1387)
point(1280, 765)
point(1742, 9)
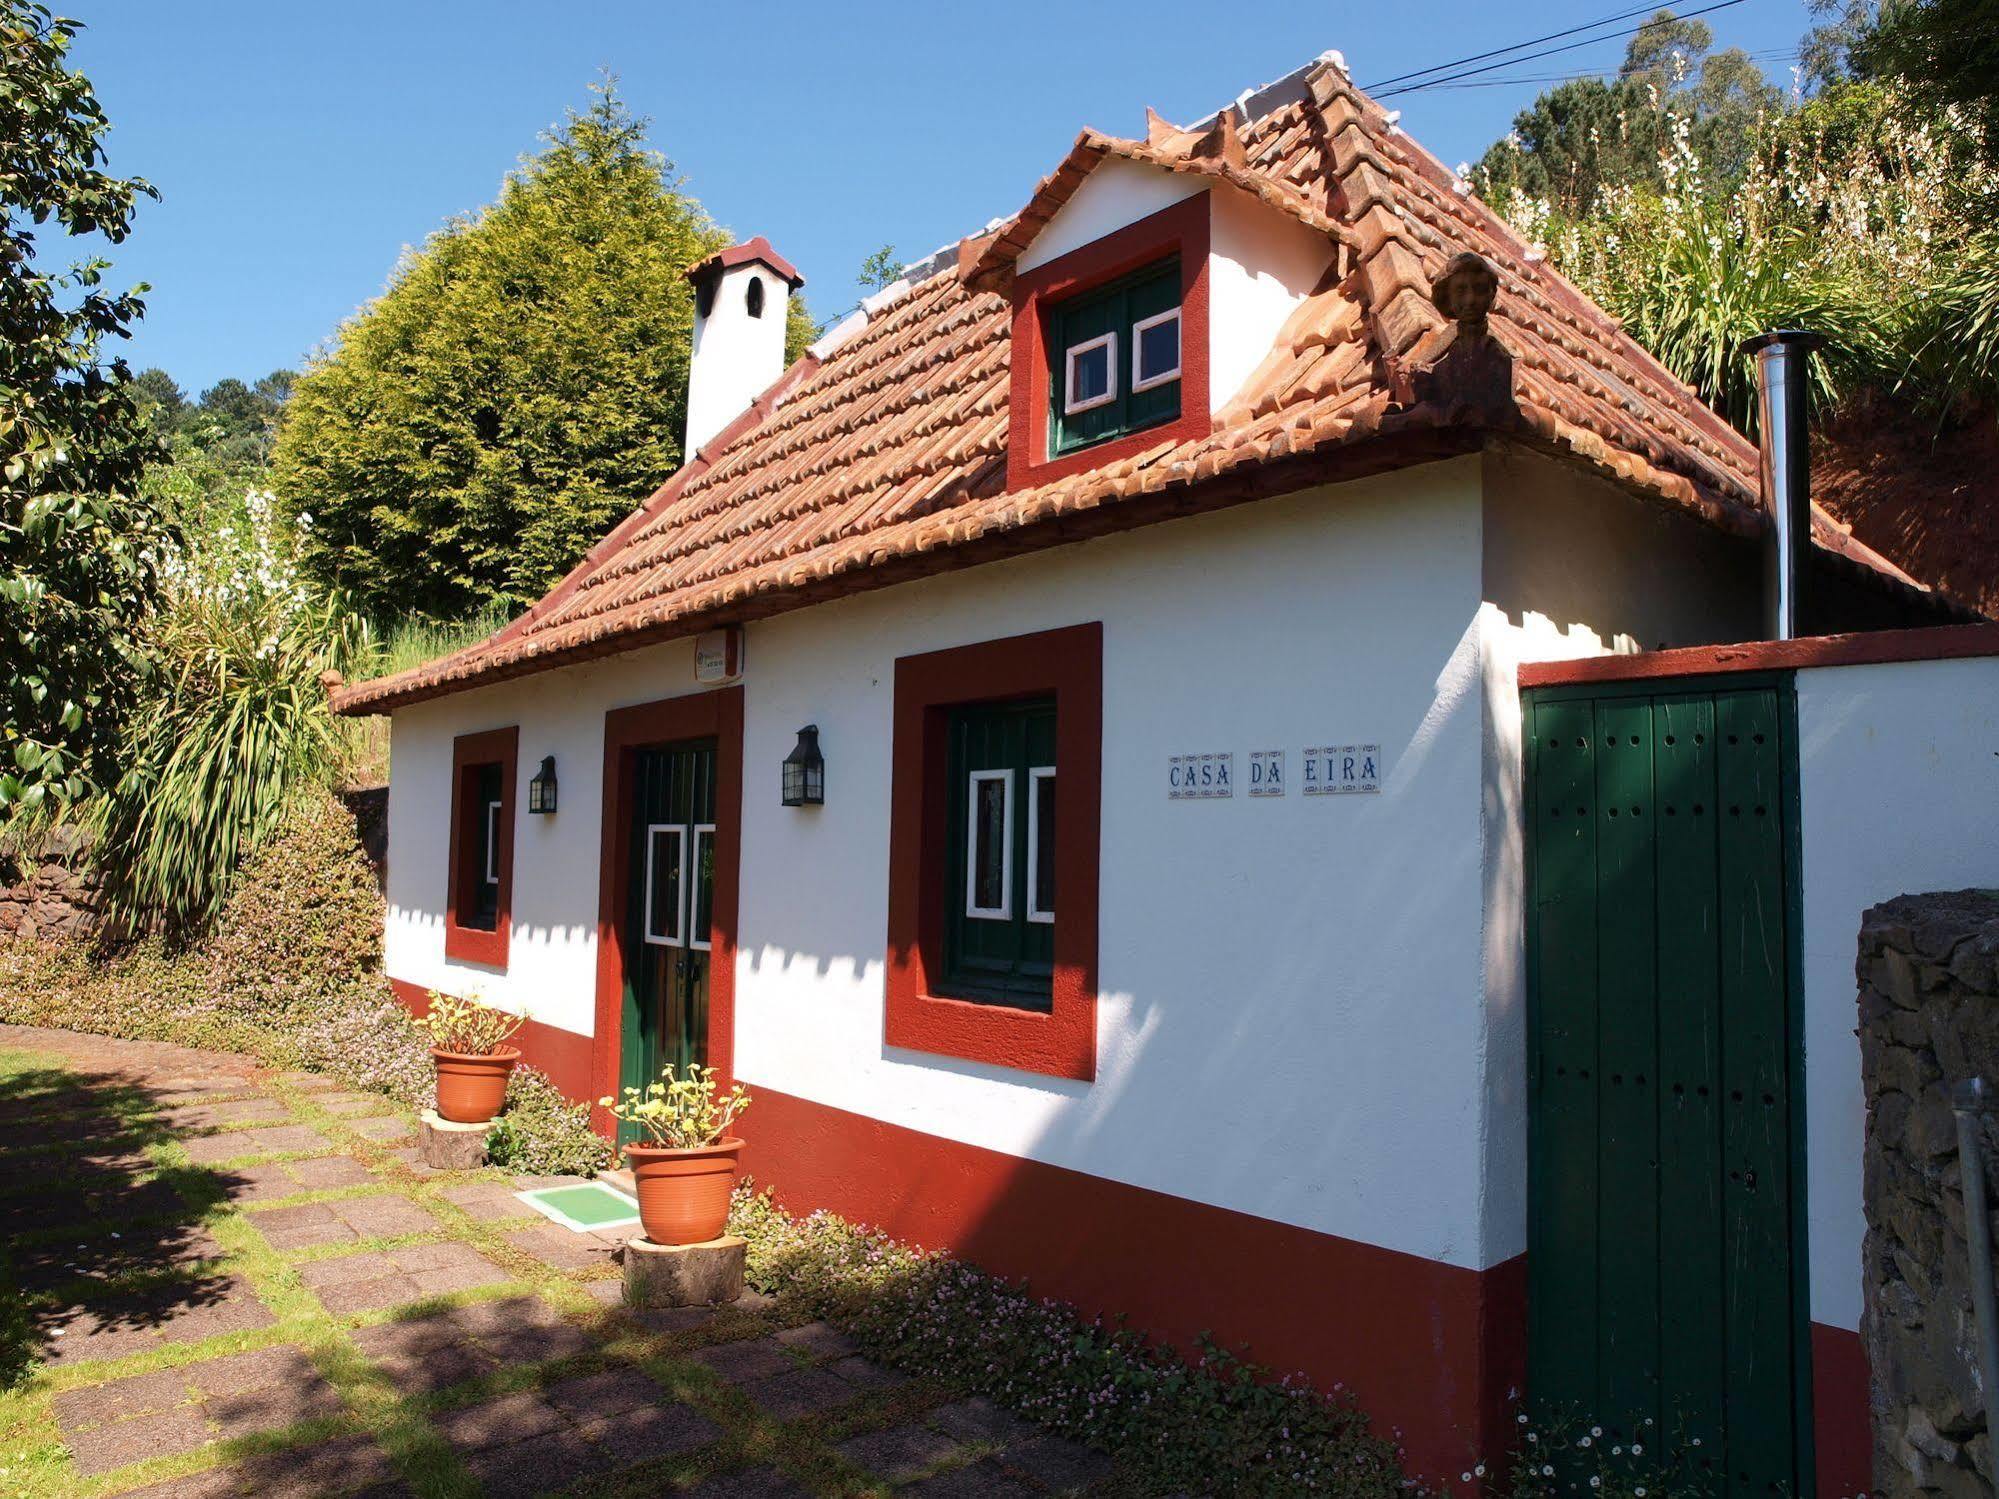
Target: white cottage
point(1146, 582)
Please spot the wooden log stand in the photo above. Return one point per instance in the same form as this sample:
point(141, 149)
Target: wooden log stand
point(659, 1275)
point(451, 1147)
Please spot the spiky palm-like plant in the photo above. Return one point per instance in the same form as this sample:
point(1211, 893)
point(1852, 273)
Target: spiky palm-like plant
point(237, 725)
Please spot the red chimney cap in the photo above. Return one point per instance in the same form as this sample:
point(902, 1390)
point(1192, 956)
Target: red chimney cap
point(749, 251)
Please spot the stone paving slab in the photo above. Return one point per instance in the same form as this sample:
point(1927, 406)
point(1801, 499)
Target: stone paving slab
point(208, 1150)
point(312, 1224)
point(389, 1127)
point(818, 1340)
point(349, 1465)
point(802, 1392)
point(177, 1410)
point(112, 1253)
point(389, 1277)
point(751, 1358)
point(986, 1480)
point(899, 1453)
point(564, 1249)
point(523, 1444)
point(488, 1202)
point(185, 1312)
point(751, 1483)
point(231, 1114)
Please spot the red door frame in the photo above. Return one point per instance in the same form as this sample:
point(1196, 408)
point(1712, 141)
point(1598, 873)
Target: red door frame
point(699, 715)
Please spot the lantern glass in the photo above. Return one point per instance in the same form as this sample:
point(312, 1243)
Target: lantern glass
point(805, 771)
point(541, 789)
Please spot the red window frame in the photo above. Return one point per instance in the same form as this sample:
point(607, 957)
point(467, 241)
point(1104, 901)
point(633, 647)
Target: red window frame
point(473, 944)
point(716, 715)
point(1182, 229)
point(1066, 664)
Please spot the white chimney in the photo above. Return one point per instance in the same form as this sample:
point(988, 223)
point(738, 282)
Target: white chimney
point(740, 302)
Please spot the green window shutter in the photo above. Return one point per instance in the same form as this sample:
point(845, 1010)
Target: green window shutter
point(1115, 310)
point(996, 878)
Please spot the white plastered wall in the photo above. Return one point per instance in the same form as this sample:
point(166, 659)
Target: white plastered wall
point(1289, 988)
point(1116, 193)
point(551, 970)
point(1899, 784)
point(1573, 567)
point(1261, 265)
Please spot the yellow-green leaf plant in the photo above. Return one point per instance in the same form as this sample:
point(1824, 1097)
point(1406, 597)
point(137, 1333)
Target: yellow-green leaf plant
point(680, 1113)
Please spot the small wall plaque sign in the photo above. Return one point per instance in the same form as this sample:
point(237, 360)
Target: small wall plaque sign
point(1266, 772)
point(1200, 777)
point(1340, 770)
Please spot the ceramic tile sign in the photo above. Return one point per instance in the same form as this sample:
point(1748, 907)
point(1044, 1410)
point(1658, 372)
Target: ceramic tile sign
point(1200, 777)
point(1340, 770)
point(1266, 772)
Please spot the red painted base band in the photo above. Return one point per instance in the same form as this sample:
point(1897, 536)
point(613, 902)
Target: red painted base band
point(563, 1055)
point(1841, 1418)
point(1431, 1350)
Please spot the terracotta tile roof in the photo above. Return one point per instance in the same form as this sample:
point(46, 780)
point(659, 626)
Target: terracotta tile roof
point(882, 456)
point(758, 249)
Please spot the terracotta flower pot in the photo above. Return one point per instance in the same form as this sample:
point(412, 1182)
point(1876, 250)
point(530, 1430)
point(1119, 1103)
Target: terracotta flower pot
point(471, 1090)
point(684, 1194)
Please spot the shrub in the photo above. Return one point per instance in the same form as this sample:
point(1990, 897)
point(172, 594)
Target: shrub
point(292, 975)
point(542, 1132)
point(1217, 1426)
point(236, 725)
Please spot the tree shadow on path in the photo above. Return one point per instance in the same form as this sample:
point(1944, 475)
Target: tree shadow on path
point(102, 1253)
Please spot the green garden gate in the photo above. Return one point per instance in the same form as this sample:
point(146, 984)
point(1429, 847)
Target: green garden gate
point(1666, 1269)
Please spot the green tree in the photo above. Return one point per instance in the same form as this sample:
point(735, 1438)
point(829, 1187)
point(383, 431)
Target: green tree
point(879, 270)
point(159, 399)
point(1946, 51)
point(77, 542)
point(518, 387)
point(1584, 136)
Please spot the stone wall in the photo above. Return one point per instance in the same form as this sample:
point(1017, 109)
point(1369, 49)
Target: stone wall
point(47, 891)
point(1929, 1018)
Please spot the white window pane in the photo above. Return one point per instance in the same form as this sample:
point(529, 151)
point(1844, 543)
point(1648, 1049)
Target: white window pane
point(1041, 844)
point(1155, 350)
point(666, 847)
point(989, 845)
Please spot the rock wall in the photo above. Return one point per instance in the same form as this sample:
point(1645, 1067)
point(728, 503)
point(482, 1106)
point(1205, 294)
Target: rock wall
point(48, 891)
point(1929, 1018)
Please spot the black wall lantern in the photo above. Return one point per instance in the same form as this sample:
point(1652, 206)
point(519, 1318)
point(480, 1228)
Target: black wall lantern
point(541, 789)
point(805, 771)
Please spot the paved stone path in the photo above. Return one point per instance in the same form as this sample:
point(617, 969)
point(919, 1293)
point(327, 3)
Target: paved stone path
point(218, 1280)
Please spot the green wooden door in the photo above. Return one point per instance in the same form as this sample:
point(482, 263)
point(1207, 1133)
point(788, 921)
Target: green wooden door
point(670, 891)
point(1665, 1241)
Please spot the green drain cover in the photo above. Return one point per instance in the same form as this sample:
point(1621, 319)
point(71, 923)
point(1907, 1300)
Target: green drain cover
point(584, 1207)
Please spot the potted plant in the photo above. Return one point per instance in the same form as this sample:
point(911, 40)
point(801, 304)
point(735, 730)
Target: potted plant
point(468, 1045)
point(685, 1168)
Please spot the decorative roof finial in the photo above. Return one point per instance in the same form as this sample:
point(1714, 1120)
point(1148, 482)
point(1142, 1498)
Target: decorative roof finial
point(1465, 292)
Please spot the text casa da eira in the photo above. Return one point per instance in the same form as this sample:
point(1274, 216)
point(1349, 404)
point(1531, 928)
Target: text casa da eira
point(1322, 770)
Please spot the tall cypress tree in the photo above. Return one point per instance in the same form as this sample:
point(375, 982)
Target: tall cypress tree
point(519, 386)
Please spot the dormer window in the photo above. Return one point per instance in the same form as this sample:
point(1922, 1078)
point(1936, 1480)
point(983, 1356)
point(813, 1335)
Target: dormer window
point(1101, 391)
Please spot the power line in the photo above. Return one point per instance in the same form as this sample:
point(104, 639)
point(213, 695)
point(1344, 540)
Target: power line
point(1553, 36)
point(1451, 78)
point(1774, 55)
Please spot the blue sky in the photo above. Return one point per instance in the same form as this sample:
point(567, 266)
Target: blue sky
point(299, 146)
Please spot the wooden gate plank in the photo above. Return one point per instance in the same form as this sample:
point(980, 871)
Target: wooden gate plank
point(1562, 1270)
point(1755, 1113)
point(1692, 1380)
point(1627, 1223)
